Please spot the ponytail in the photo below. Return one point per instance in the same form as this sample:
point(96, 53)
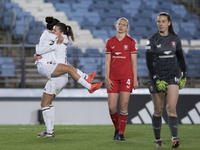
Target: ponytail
point(70, 32)
point(66, 29)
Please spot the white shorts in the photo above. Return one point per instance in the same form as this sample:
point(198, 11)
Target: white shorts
point(55, 85)
point(46, 69)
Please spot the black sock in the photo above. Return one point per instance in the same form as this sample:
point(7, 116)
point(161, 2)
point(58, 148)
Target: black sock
point(156, 122)
point(173, 125)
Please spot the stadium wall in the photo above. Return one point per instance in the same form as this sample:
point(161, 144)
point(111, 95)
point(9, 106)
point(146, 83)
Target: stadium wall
point(77, 106)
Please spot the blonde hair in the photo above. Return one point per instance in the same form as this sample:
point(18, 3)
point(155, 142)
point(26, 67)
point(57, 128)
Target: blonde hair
point(123, 18)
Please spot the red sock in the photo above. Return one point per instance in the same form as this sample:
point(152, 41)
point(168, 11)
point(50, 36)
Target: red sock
point(115, 120)
point(122, 123)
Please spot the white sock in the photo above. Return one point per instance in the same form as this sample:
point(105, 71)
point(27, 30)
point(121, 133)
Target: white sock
point(84, 83)
point(83, 75)
point(47, 118)
point(52, 110)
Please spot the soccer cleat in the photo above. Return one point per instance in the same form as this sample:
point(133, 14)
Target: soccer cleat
point(159, 143)
point(175, 142)
point(91, 77)
point(46, 135)
point(95, 87)
point(115, 137)
point(121, 137)
point(42, 133)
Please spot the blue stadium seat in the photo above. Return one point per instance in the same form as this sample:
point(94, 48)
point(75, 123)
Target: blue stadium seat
point(8, 70)
point(21, 29)
point(35, 30)
point(193, 53)
point(131, 12)
point(141, 53)
point(78, 53)
point(7, 66)
point(193, 70)
point(88, 25)
point(92, 53)
point(112, 13)
point(89, 65)
point(141, 61)
point(1, 53)
point(107, 24)
point(188, 27)
point(135, 4)
point(191, 18)
point(185, 35)
point(93, 17)
point(152, 3)
point(103, 34)
point(176, 17)
point(112, 33)
point(11, 9)
point(61, 6)
point(142, 72)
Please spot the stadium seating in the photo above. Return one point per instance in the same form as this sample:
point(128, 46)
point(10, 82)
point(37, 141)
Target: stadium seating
point(7, 67)
point(93, 22)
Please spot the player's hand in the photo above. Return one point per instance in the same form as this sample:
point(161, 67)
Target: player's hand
point(37, 57)
point(182, 80)
point(109, 85)
point(135, 85)
point(160, 84)
point(59, 39)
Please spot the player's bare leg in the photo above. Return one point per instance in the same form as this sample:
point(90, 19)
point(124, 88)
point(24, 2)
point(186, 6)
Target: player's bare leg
point(62, 69)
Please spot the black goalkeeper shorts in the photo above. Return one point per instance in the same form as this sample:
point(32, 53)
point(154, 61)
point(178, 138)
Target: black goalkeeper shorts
point(152, 85)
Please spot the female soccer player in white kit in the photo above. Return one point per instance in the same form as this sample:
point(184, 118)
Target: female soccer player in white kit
point(54, 85)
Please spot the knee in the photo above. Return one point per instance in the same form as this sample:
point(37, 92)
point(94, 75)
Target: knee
point(123, 110)
point(158, 111)
point(171, 111)
point(70, 68)
point(112, 109)
point(45, 104)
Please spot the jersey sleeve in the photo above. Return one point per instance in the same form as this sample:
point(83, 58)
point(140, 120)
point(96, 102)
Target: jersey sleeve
point(180, 57)
point(108, 48)
point(133, 47)
point(150, 55)
point(179, 45)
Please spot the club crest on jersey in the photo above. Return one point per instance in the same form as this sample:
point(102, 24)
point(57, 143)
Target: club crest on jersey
point(125, 47)
point(173, 44)
point(151, 88)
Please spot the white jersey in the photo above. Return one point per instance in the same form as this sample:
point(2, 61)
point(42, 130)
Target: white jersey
point(51, 53)
point(49, 50)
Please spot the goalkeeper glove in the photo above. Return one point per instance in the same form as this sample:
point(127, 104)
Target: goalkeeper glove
point(182, 80)
point(160, 84)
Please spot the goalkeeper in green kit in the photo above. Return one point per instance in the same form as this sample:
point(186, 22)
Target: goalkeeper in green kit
point(164, 57)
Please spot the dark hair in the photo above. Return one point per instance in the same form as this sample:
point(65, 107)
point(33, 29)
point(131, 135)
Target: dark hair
point(51, 22)
point(170, 28)
point(66, 29)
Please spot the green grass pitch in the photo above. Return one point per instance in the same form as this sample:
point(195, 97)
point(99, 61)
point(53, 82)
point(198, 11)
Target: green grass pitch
point(94, 137)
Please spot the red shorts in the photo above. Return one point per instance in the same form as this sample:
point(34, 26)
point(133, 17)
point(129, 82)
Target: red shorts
point(125, 85)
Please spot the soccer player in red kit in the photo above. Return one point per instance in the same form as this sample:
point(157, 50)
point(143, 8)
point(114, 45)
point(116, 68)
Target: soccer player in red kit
point(121, 75)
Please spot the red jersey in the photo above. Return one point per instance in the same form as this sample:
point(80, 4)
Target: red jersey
point(120, 65)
